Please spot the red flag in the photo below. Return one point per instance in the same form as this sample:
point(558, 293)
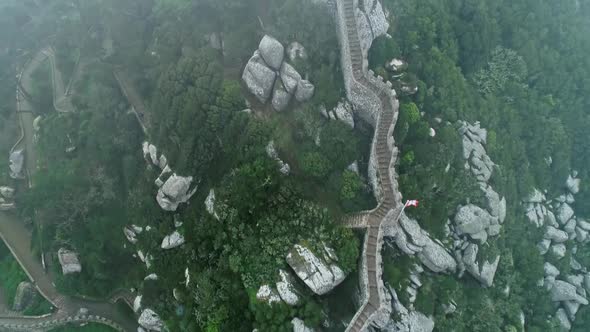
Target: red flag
point(412, 202)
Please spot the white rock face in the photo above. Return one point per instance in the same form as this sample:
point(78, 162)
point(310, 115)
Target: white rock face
point(271, 151)
point(267, 294)
point(259, 78)
point(563, 319)
point(573, 185)
point(299, 325)
point(69, 261)
point(487, 272)
point(150, 320)
point(286, 288)
point(471, 219)
point(474, 138)
point(130, 234)
point(137, 303)
point(564, 213)
point(413, 240)
point(7, 192)
point(564, 291)
point(555, 235)
point(174, 192)
point(16, 163)
point(304, 91)
point(550, 269)
point(172, 241)
point(290, 78)
point(321, 275)
point(210, 204)
point(344, 113)
point(371, 21)
point(558, 250)
point(409, 321)
point(280, 97)
point(272, 51)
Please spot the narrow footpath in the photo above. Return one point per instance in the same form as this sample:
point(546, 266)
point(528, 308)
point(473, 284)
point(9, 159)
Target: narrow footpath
point(18, 239)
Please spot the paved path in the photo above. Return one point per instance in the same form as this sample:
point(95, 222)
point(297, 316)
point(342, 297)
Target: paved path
point(354, 59)
point(18, 239)
point(134, 98)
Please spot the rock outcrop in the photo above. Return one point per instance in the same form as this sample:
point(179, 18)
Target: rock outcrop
point(172, 241)
point(150, 320)
point(6, 192)
point(299, 325)
point(176, 190)
point(25, 292)
point(409, 320)
point(372, 22)
point(259, 78)
point(16, 164)
point(271, 151)
point(319, 272)
point(267, 74)
point(69, 261)
point(267, 294)
point(411, 239)
point(287, 289)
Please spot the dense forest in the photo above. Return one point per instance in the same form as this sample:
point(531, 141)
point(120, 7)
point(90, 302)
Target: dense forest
point(519, 67)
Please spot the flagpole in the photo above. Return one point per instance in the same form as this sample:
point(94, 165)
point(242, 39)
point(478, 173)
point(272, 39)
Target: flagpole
point(402, 211)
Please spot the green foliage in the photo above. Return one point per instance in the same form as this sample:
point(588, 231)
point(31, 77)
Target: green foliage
point(505, 65)
point(315, 164)
point(92, 327)
point(351, 184)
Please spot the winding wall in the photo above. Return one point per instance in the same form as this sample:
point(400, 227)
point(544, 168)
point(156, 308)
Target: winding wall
point(375, 101)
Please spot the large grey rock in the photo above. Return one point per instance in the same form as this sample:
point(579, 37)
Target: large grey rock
point(150, 320)
point(487, 273)
point(299, 326)
point(320, 274)
point(564, 213)
point(571, 308)
point(555, 235)
point(290, 78)
point(210, 204)
point(304, 91)
point(69, 261)
point(583, 224)
point(573, 184)
point(287, 289)
point(280, 97)
point(436, 258)
point(267, 294)
point(172, 241)
point(16, 163)
point(259, 78)
point(272, 51)
point(470, 254)
point(471, 219)
point(570, 226)
point(344, 113)
point(564, 322)
point(412, 321)
point(535, 197)
point(558, 250)
point(25, 292)
point(550, 269)
point(416, 234)
point(176, 190)
point(7, 192)
point(564, 291)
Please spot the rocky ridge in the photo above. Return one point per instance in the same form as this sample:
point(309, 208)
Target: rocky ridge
point(562, 226)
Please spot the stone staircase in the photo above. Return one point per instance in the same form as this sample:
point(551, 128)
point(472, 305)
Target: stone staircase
point(373, 96)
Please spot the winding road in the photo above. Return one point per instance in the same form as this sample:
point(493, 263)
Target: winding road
point(382, 102)
point(17, 238)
